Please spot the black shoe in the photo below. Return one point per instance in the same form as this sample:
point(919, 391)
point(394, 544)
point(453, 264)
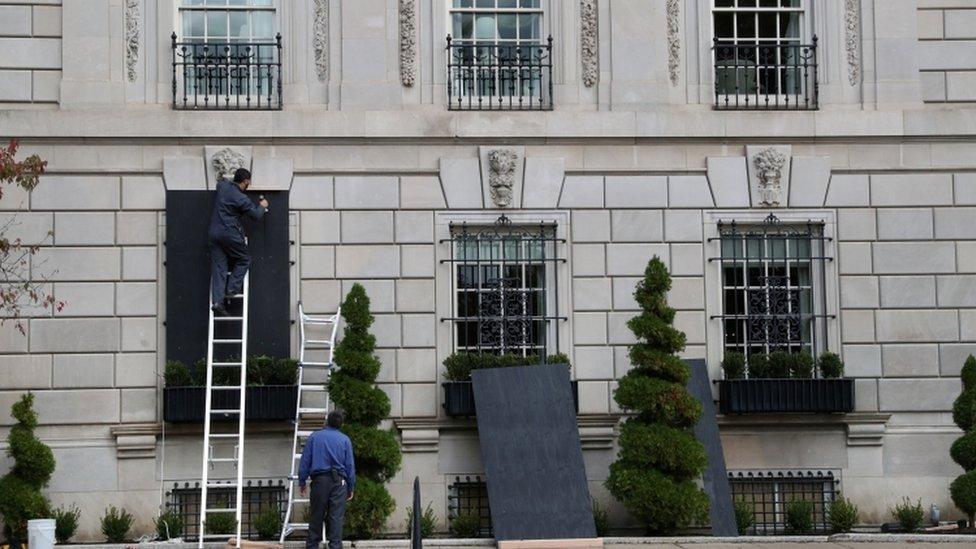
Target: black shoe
point(219, 309)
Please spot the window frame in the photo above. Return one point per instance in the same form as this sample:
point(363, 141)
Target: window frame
point(780, 481)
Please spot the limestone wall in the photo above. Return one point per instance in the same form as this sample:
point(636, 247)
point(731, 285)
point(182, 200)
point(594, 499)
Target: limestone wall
point(946, 50)
point(30, 51)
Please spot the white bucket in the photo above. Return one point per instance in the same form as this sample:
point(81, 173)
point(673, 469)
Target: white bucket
point(40, 533)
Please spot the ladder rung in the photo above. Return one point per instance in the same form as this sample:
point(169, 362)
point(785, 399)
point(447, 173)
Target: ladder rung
point(312, 410)
point(300, 500)
point(227, 318)
point(325, 342)
point(224, 435)
point(221, 485)
point(328, 365)
point(225, 387)
point(314, 387)
point(225, 411)
point(227, 365)
point(223, 341)
point(234, 296)
point(305, 434)
point(221, 510)
point(223, 460)
point(297, 526)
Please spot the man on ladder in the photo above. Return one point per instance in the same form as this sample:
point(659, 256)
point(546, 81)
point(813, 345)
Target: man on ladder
point(228, 247)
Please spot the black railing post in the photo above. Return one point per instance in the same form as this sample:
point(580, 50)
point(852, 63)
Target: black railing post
point(416, 533)
point(174, 68)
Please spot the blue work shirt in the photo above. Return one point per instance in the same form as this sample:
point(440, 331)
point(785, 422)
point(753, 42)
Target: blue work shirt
point(325, 450)
point(230, 205)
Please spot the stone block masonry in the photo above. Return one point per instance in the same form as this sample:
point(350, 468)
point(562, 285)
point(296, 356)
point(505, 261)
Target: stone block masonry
point(30, 52)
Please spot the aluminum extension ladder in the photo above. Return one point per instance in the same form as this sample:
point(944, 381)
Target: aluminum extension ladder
point(211, 458)
point(328, 326)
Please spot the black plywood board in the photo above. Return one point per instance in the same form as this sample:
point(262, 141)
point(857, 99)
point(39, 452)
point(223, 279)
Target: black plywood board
point(188, 278)
point(533, 461)
point(715, 478)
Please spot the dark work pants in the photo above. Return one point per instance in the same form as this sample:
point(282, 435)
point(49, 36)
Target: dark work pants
point(328, 502)
point(228, 251)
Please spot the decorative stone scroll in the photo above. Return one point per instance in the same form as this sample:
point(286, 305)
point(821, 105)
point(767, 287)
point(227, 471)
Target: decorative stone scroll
point(589, 42)
point(852, 39)
point(408, 42)
point(227, 161)
point(131, 38)
point(769, 169)
point(674, 40)
point(320, 39)
point(501, 176)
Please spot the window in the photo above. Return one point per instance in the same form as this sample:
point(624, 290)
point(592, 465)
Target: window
point(228, 55)
point(769, 493)
point(773, 281)
point(184, 500)
point(497, 58)
point(501, 276)
point(761, 61)
point(469, 497)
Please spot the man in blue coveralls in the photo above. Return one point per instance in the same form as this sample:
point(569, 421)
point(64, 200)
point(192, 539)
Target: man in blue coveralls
point(327, 458)
point(227, 244)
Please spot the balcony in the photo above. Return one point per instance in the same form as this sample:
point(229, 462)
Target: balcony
point(499, 77)
point(766, 77)
point(231, 76)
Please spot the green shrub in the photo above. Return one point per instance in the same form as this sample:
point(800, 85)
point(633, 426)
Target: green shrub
point(116, 524)
point(458, 366)
point(801, 366)
point(909, 515)
point(285, 372)
point(268, 523)
point(842, 515)
point(963, 492)
point(65, 522)
point(734, 365)
point(465, 526)
point(830, 366)
point(259, 369)
point(659, 460)
point(353, 389)
point(601, 519)
point(745, 517)
point(968, 374)
point(21, 499)
point(177, 374)
point(759, 366)
point(799, 517)
point(963, 450)
point(428, 522)
point(221, 523)
point(169, 525)
point(780, 365)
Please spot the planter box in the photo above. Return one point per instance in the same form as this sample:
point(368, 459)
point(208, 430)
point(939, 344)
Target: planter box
point(459, 398)
point(779, 396)
point(262, 403)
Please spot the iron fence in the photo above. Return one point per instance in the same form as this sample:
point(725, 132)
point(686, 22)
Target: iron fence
point(769, 493)
point(469, 496)
point(227, 75)
point(491, 76)
point(766, 76)
point(184, 500)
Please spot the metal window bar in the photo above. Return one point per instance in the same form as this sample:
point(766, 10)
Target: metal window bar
point(209, 75)
point(766, 76)
point(489, 76)
point(773, 287)
point(769, 493)
point(501, 277)
point(469, 496)
point(184, 499)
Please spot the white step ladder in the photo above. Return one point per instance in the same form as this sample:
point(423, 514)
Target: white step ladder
point(211, 459)
point(326, 328)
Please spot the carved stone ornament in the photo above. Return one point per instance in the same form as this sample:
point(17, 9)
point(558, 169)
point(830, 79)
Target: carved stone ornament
point(852, 39)
point(227, 161)
point(408, 41)
point(589, 42)
point(131, 38)
point(674, 41)
point(320, 39)
point(769, 168)
point(501, 175)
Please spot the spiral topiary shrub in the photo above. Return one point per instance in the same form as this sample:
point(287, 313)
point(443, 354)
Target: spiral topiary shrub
point(963, 450)
point(353, 389)
point(20, 489)
point(659, 459)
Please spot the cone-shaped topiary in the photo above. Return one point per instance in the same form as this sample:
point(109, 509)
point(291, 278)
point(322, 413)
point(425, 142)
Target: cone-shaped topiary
point(963, 451)
point(659, 460)
point(20, 489)
point(353, 389)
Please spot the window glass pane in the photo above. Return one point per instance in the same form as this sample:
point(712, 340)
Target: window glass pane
point(238, 25)
point(723, 3)
point(192, 2)
point(263, 24)
point(745, 24)
point(193, 24)
point(216, 24)
point(463, 3)
point(789, 24)
point(484, 3)
point(529, 26)
point(724, 22)
point(485, 27)
point(507, 26)
point(216, 2)
point(767, 25)
point(532, 4)
point(507, 3)
point(262, 2)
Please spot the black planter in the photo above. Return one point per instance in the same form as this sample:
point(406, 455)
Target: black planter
point(262, 403)
point(459, 398)
point(781, 396)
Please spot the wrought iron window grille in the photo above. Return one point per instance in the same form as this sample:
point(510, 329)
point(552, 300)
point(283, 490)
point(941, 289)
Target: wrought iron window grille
point(770, 492)
point(184, 499)
point(774, 284)
point(766, 76)
point(216, 75)
point(501, 279)
point(490, 76)
point(469, 496)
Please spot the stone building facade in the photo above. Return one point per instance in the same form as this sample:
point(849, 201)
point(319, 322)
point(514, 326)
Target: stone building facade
point(633, 148)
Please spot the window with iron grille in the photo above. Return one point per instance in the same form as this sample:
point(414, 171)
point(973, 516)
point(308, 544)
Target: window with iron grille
point(502, 275)
point(773, 287)
point(497, 58)
point(761, 60)
point(469, 496)
point(184, 500)
point(768, 493)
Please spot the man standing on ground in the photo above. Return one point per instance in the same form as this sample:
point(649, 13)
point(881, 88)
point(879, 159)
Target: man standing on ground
point(228, 248)
point(327, 458)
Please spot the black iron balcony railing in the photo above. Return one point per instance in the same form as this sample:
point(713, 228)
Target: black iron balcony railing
point(766, 76)
point(499, 77)
point(227, 75)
